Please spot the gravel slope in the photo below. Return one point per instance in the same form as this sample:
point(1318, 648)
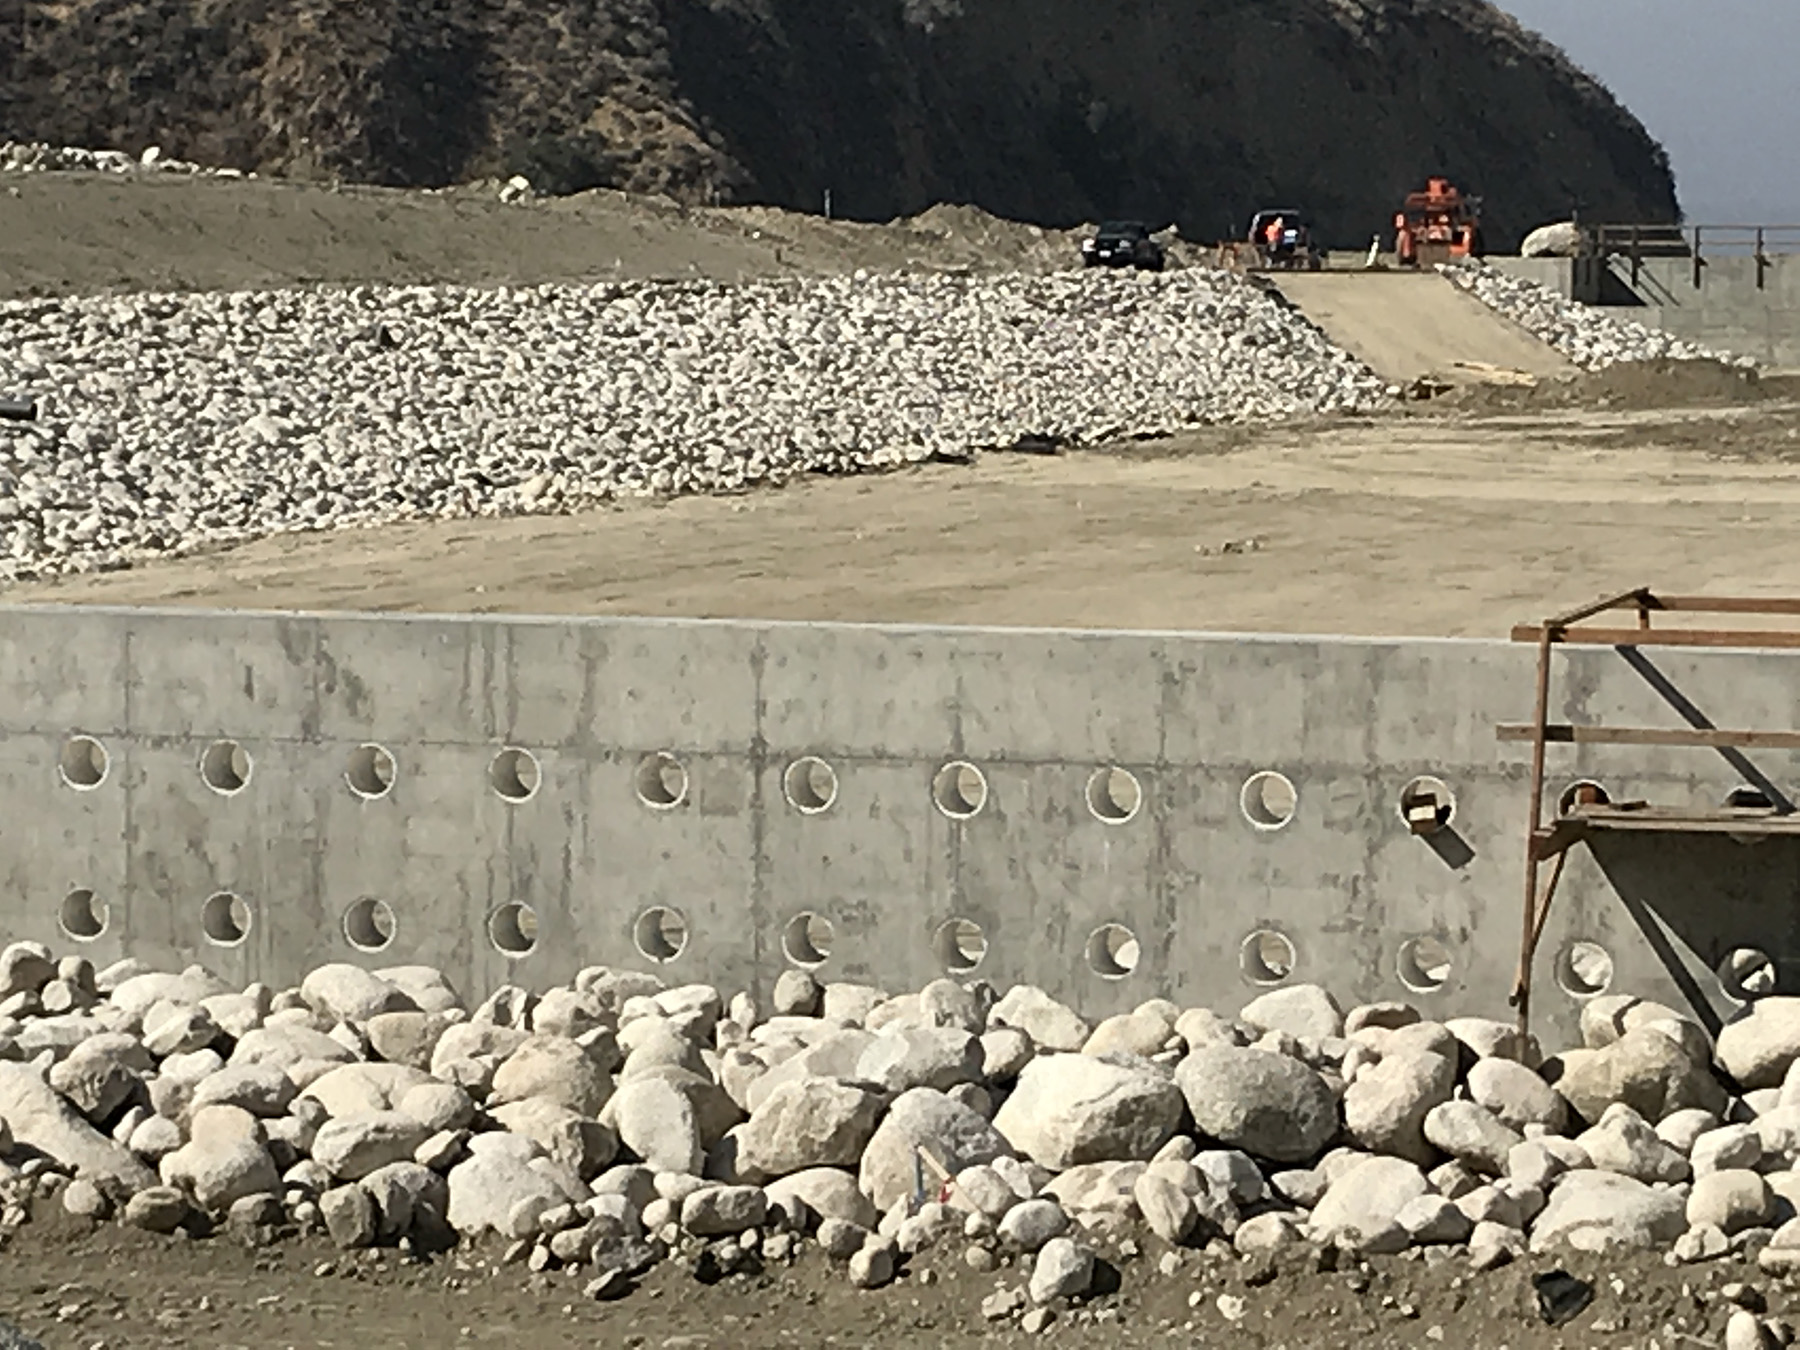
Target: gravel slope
point(171, 422)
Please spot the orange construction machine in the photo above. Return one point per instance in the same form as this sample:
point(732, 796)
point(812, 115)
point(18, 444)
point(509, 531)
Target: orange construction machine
point(1437, 225)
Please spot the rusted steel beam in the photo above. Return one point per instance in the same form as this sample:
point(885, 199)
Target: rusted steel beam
point(1665, 637)
point(1639, 598)
point(1696, 737)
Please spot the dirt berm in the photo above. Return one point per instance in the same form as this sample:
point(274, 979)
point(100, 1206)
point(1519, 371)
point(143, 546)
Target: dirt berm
point(1053, 111)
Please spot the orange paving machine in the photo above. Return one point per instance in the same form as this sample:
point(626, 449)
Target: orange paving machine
point(1437, 225)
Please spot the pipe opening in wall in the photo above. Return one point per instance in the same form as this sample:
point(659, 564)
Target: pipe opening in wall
point(1586, 792)
point(225, 767)
point(806, 941)
point(514, 774)
point(1425, 964)
point(810, 784)
point(83, 915)
point(369, 925)
point(661, 934)
point(1427, 805)
point(1269, 800)
point(1114, 795)
point(1267, 956)
point(370, 771)
point(662, 781)
point(960, 790)
point(1112, 951)
point(225, 918)
point(1747, 974)
point(1748, 799)
point(960, 945)
point(513, 929)
point(83, 763)
point(1584, 969)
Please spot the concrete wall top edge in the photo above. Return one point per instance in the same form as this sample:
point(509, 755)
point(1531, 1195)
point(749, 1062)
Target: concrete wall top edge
point(754, 625)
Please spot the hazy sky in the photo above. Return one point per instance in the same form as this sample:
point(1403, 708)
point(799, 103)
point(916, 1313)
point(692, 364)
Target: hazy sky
point(1716, 81)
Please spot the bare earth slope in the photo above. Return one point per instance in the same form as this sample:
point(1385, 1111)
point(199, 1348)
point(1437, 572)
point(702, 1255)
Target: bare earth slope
point(1046, 110)
point(1443, 525)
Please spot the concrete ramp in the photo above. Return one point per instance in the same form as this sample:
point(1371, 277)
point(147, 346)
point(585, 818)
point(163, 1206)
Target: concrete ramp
point(1406, 326)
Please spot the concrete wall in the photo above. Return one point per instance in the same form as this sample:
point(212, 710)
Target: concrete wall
point(281, 714)
point(1728, 310)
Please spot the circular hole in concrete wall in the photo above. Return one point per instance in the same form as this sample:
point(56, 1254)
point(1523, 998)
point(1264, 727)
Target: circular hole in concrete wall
point(1267, 956)
point(1427, 805)
point(960, 945)
point(83, 763)
point(661, 781)
point(225, 767)
point(1584, 969)
point(225, 918)
point(660, 934)
point(1748, 799)
point(513, 929)
point(810, 784)
point(514, 774)
point(1112, 951)
point(960, 790)
point(1585, 792)
point(806, 941)
point(1269, 800)
point(1113, 794)
point(369, 925)
point(83, 915)
point(370, 771)
point(1425, 964)
point(1747, 974)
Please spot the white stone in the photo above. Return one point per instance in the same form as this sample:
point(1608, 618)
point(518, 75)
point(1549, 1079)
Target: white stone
point(1063, 1269)
point(1071, 1109)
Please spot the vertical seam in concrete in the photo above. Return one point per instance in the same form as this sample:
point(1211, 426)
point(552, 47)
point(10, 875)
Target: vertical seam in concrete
point(128, 875)
point(1163, 901)
point(955, 899)
point(759, 849)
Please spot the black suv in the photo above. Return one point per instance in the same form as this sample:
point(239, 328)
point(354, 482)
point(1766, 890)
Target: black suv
point(1123, 243)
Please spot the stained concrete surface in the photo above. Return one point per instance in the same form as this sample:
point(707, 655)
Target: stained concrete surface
point(1230, 808)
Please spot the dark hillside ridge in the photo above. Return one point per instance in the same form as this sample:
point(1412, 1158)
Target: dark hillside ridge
point(1055, 111)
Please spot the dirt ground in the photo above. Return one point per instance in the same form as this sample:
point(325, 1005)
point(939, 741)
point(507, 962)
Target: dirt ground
point(81, 1289)
point(79, 233)
point(1447, 523)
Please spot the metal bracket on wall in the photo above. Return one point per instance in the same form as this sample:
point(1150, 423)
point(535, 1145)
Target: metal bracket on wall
point(1588, 811)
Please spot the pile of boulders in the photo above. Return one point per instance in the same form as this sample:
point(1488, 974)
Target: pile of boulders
point(1592, 338)
point(40, 157)
point(170, 422)
point(614, 1123)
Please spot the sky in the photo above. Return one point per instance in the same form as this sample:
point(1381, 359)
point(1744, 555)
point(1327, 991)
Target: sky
point(1716, 81)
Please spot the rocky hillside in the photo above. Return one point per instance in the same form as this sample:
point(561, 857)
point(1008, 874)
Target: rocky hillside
point(1049, 110)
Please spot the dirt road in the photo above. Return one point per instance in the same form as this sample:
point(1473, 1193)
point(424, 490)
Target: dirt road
point(1443, 524)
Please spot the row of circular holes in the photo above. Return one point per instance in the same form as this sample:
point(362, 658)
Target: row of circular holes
point(960, 789)
point(226, 767)
point(1267, 957)
point(1268, 799)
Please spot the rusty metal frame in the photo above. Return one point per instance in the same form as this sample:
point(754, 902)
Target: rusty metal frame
point(1552, 842)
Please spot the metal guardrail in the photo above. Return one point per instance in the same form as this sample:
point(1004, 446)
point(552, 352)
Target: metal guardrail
point(1699, 244)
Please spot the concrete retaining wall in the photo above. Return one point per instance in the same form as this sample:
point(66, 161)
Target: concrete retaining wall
point(261, 793)
point(1728, 310)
